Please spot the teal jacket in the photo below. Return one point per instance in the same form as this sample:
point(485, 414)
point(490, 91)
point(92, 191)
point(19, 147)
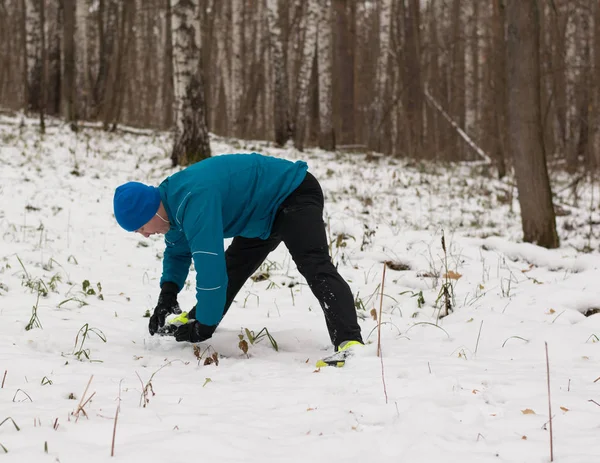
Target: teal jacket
point(221, 197)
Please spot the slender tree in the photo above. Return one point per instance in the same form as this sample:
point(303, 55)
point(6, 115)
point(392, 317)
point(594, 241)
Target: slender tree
point(280, 75)
point(309, 22)
point(33, 47)
point(344, 64)
point(237, 76)
point(382, 72)
point(525, 123)
point(412, 92)
point(68, 89)
point(191, 134)
point(326, 136)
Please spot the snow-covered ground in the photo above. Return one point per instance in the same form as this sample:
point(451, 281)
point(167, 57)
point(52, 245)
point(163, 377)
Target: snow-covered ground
point(470, 387)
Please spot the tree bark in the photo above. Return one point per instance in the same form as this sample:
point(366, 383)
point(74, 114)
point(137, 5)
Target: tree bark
point(413, 90)
point(280, 80)
point(525, 124)
point(68, 69)
point(191, 134)
point(237, 76)
point(33, 41)
point(308, 54)
point(344, 59)
point(382, 73)
point(326, 135)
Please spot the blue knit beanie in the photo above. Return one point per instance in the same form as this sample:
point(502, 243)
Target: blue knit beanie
point(135, 204)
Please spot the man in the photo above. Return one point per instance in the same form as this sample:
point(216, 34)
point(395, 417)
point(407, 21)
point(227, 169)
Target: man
point(258, 200)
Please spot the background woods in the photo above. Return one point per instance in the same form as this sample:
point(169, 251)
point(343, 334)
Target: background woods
point(385, 74)
point(426, 79)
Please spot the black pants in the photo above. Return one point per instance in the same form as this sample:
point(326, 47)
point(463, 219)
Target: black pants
point(299, 224)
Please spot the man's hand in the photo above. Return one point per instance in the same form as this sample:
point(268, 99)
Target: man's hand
point(194, 331)
point(167, 304)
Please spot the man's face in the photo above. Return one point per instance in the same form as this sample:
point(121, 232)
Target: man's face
point(154, 226)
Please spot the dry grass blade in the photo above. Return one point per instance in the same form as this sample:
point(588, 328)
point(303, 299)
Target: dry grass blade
point(83, 401)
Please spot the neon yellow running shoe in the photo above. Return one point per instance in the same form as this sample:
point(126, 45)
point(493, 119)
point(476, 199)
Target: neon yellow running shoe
point(345, 350)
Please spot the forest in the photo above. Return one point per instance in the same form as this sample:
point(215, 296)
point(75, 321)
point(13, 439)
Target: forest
point(513, 84)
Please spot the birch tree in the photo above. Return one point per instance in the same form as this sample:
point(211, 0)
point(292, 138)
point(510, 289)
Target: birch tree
point(525, 123)
point(381, 74)
point(68, 61)
point(237, 76)
point(308, 53)
point(280, 78)
point(326, 136)
point(191, 133)
point(82, 62)
point(223, 84)
point(33, 50)
point(344, 61)
point(594, 146)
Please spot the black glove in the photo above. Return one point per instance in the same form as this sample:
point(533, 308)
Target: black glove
point(167, 304)
point(194, 331)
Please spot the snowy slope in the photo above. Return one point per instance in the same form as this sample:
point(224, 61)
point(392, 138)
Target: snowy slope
point(469, 387)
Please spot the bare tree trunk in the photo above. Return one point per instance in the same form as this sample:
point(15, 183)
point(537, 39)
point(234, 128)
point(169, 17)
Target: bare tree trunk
point(33, 40)
point(44, 79)
point(237, 77)
point(413, 95)
point(68, 89)
point(472, 70)
point(223, 118)
point(499, 88)
point(344, 59)
point(310, 42)
point(382, 73)
point(281, 101)
point(525, 124)
point(168, 79)
point(191, 134)
point(326, 136)
point(53, 24)
point(82, 63)
point(594, 145)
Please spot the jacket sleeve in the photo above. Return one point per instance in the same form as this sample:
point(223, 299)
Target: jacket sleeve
point(203, 227)
point(177, 259)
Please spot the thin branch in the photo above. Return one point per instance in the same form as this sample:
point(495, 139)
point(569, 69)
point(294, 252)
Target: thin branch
point(379, 353)
point(477, 343)
point(114, 434)
point(460, 131)
point(549, 403)
point(82, 403)
point(380, 312)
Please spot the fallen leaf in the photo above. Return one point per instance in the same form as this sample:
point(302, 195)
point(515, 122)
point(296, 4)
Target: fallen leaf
point(310, 409)
point(452, 275)
point(551, 311)
point(469, 320)
point(206, 381)
point(528, 411)
point(475, 391)
point(197, 352)
point(524, 437)
point(527, 269)
point(243, 345)
point(374, 314)
point(564, 409)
